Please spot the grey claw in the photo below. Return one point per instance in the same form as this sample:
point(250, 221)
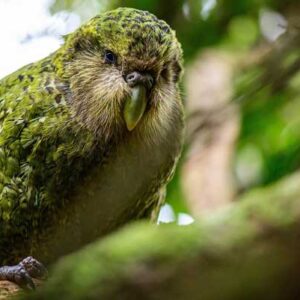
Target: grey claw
point(20, 276)
point(34, 268)
point(26, 281)
point(23, 273)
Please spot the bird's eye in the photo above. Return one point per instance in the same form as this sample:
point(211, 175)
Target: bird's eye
point(110, 57)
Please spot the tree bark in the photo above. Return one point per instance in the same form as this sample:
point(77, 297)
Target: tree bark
point(247, 251)
point(212, 129)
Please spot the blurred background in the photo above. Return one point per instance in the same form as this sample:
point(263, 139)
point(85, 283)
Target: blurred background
point(240, 88)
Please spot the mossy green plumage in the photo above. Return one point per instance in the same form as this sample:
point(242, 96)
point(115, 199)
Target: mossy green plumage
point(64, 143)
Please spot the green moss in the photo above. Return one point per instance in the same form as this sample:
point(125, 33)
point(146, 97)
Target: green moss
point(105, 267)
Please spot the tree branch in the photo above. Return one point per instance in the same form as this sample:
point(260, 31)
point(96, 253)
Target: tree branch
point(248, 251)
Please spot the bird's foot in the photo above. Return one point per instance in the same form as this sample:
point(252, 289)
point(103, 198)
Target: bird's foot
point(23, 273)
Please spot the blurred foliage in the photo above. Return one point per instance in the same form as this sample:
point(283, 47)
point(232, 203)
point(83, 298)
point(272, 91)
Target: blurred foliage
point(269, 144)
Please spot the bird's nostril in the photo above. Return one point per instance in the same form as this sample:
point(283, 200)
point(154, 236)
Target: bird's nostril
point(135, 78)
point(132, 78)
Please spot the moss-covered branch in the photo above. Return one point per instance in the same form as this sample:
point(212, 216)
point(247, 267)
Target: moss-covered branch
point(249, 250)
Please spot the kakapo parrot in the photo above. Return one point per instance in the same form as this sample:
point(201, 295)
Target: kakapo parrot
point(89, 138)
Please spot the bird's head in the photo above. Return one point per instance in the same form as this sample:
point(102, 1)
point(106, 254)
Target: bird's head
point(123, 67)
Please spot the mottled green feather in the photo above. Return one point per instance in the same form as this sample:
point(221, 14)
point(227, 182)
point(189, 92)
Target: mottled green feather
point(38, 153)
point(61, 128)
